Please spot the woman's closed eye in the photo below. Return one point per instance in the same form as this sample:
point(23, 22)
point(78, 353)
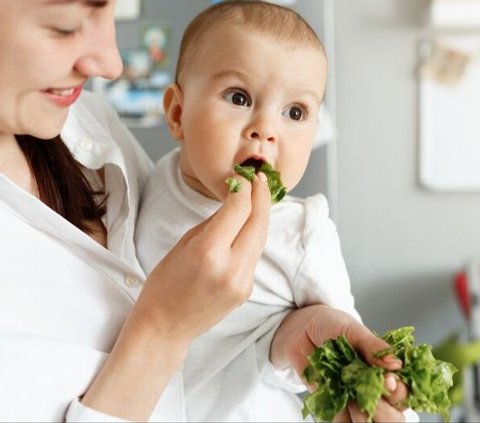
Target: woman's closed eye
point(238, 98)
point(65, 32)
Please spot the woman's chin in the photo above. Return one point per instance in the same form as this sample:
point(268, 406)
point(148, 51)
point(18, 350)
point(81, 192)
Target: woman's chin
point(47, 132)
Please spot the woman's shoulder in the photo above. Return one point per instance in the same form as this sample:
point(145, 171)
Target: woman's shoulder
point(93, 126)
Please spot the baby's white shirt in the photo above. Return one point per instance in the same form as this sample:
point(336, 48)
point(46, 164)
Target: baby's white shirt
point(227, 376)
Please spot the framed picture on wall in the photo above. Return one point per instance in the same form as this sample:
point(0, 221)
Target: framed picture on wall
point(127, 10)
point(449, 100)
point(155, 38)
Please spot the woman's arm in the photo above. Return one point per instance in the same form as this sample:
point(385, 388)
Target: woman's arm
point(205, 276)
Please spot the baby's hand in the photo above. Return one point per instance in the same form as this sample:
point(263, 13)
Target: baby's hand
point(306, 328)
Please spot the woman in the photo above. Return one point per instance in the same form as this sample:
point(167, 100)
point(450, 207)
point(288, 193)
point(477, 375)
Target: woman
point(77, 338)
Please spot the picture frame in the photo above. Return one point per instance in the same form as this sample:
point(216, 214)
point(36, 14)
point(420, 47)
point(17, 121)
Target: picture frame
point(127, 10)
point(155, 37)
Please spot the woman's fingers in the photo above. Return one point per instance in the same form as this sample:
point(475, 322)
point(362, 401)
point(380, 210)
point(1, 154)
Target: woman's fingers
point(210, 270)
point(251, 239)
point(229, 220)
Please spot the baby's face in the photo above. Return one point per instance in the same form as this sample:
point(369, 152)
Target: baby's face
point(249, 98)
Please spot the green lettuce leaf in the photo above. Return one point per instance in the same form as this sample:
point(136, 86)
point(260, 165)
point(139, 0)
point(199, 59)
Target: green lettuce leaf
point(234, 184)
point(275, 184)
point(339, 375)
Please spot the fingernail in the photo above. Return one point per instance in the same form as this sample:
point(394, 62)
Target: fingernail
point(262, 177)
point(390, 359)
point(390, 383)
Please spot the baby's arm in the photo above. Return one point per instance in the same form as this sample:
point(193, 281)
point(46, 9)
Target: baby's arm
point(322, 276)
point(304, 329)
point(326, 310)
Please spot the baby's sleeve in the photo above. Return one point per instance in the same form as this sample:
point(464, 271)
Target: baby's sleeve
point(322, 276)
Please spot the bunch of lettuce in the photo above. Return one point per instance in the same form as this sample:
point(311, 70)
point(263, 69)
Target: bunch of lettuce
point(275, 184)
point(340, 376)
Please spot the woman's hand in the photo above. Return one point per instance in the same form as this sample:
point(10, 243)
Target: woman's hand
point(211, 269)
point(304, 329)
point(204, 277)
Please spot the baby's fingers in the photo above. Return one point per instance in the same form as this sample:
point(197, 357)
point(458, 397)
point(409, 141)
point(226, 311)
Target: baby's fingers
point(387, 413)
point(398, 390)
point(384, 413)
point(343, 416)
point(367, 343)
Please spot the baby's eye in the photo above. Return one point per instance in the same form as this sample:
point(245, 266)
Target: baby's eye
point(238, 98)
point(295, 113)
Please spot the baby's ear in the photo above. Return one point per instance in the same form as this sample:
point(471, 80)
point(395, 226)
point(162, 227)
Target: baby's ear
point(173, 107)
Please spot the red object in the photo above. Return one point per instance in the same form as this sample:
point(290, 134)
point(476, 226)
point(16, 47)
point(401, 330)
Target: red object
point(463, 295)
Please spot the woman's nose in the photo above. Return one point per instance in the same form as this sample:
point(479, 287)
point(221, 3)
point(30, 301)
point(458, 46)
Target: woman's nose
point(101, 56)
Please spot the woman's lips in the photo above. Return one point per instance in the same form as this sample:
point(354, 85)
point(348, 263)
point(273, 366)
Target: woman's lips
point(63, 97)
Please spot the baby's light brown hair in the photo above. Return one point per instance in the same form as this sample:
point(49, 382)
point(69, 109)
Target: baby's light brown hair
point(281, 23)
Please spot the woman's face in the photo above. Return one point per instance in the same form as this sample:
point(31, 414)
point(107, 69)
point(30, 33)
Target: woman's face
point(49, 48)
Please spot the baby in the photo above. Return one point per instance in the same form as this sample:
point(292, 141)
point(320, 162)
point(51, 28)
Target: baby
point(249, 83)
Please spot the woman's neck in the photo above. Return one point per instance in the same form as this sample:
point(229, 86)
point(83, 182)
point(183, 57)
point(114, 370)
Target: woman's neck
point(14, 165)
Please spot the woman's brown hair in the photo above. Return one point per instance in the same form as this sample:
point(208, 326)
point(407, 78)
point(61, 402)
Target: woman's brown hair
point(61, 183)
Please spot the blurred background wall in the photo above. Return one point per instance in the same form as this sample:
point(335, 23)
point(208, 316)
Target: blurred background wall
point(402, 243)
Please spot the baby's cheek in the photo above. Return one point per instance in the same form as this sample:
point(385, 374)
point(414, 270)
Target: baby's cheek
point(222, 192)
point(295, 169)
point(291, 177)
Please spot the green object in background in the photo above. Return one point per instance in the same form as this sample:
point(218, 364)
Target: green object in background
point(340, 376)
point(275, 184)
point(461, 355)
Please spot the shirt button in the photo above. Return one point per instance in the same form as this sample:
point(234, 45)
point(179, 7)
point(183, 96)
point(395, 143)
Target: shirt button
point(85, 144)
point(131, 281)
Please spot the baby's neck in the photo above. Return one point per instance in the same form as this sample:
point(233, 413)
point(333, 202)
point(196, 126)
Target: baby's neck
point(197, 186)
point(190, 178)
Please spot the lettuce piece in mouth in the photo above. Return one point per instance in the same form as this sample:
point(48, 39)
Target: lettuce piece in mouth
point(340, 375)
point(275, 184)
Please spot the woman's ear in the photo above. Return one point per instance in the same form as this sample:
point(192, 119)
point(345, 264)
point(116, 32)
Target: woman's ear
point(173, 107)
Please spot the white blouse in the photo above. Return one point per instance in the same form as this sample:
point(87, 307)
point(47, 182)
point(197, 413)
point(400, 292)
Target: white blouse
point(63, 296)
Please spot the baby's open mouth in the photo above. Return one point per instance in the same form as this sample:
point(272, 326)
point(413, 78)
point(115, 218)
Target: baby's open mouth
point(249, 167)
point(256, 163)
